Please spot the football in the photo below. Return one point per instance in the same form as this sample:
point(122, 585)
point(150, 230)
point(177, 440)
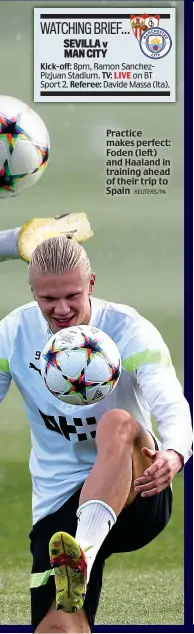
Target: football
point(24, 146)
point(80, 365)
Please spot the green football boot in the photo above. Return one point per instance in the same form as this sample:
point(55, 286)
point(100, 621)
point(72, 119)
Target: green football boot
point(70, 569)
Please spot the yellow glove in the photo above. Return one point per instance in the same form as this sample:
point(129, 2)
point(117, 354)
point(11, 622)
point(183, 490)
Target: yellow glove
point(75, 226)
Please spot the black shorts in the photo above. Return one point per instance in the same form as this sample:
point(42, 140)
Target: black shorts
point(136, 526)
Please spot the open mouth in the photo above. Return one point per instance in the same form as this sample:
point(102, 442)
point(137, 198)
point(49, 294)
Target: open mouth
point(63, 322)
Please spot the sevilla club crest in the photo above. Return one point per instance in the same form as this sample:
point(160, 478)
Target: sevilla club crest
point(140, 23)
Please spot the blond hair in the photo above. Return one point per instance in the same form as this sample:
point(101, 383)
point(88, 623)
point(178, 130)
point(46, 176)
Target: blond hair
point(57, 255)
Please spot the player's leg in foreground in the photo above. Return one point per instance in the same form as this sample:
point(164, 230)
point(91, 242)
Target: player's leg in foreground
point(106, 491)
point(21, 241)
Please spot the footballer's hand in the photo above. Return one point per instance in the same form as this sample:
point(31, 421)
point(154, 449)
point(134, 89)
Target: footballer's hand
point(165, 464)
point(75, 226)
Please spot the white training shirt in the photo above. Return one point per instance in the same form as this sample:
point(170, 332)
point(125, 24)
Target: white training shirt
point(63, 436)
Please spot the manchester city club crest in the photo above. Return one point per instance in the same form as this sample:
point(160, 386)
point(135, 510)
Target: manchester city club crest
point(140, 23)
point(155, 43)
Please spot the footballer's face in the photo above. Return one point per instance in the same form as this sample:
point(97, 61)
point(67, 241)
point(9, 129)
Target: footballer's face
point(63, 298)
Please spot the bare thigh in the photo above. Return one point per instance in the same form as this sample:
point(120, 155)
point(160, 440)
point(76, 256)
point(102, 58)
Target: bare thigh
point(139, 462)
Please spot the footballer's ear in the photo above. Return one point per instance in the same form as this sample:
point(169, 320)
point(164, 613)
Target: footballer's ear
point(92, 282)
point(32, 291)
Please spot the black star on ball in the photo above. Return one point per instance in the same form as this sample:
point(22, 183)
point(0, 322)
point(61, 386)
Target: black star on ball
point(7, 179)
point(10, 131)
point(44, 155)
point(91, 345)
point(79, 384)
point(115, 373)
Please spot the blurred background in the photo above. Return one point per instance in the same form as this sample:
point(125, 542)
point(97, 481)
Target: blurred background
point(137, 254)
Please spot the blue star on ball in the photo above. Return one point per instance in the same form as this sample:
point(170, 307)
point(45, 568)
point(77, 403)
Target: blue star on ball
point(50, 358)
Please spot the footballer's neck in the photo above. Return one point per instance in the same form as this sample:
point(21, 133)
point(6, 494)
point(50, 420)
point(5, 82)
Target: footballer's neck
point(89, 312)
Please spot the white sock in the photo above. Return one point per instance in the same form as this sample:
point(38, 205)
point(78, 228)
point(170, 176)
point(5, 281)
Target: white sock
point(95, 520)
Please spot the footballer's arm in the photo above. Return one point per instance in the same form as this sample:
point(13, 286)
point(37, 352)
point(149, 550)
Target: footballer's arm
point(162, 392)
point(5, 378)
point(5, 374)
